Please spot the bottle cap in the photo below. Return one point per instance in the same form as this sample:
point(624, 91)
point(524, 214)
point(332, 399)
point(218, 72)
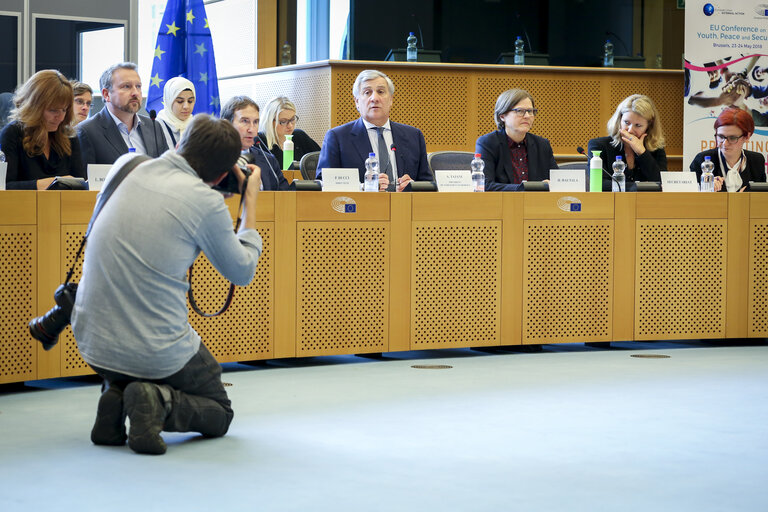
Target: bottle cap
point(618, 158)
point(410, 33)
point(289, 137)
point(371, 155)
point(477, 155)
point(707, 158)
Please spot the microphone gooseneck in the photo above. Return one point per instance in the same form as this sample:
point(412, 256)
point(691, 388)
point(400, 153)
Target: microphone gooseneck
point(257, 141)
point(581, 151)
point(153, 117)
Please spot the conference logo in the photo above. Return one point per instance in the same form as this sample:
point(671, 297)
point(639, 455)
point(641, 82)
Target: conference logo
point(762, 9)
point(709, 9)
point(569, 204)
point(344, 205)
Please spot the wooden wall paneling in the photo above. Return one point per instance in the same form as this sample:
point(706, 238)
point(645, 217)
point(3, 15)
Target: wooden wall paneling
point(401, 273)
point(737, 276)
point(266, 34)
point(512, 270)
point(49, 273)
point(758, 266)
point(285, 274)
point(623, 266)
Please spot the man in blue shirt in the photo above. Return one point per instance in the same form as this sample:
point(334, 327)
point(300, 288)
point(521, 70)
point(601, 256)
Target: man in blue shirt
point(130, 318)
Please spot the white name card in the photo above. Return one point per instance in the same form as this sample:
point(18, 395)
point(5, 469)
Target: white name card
point(567, 180)
point(679, 181)
point(3, 171)
point(341, 180)
point(96, 175)
point(454, 181)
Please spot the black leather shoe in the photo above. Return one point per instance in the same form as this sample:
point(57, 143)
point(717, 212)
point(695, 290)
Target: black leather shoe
point(109, 428)
point(145, 408)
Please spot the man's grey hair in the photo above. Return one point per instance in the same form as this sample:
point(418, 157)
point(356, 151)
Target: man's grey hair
point(106, 77)
point(371, 74)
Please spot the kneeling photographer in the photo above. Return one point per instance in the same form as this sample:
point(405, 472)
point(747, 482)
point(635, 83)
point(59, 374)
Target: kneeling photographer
point(130, 317)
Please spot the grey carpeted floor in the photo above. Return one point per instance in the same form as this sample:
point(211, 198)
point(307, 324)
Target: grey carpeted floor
point(572, 428)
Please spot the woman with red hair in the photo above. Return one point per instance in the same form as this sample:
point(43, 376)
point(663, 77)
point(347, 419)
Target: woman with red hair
point(735, 167)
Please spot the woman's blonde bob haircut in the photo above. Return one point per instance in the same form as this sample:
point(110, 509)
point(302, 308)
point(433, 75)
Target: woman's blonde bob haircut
point(47, 89)
point(271, 111)
point(643, 106)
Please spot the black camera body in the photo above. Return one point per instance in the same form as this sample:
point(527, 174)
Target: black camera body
point(46, 328)
point(229, 184)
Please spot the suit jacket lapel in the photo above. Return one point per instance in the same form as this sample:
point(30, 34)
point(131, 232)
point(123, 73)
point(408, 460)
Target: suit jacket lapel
point(151, 151)
point(111, 133)
point(505, 158)
point(360, 139)
point(533, 158)
point(400, 140)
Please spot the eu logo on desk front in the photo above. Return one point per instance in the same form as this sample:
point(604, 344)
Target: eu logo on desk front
point(344, 204)
point(569, 204)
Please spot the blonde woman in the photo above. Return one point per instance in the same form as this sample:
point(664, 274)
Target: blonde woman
point(279, 119)
point(635, 134)
point(39, 144)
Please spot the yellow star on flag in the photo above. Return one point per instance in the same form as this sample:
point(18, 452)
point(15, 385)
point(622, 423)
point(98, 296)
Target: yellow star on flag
point(172, 28)
point(190, 16)
point(200, 48)
point(155, 80)
point(206, 23)
point(203, 77)
point(159, 53)
point(214, 101)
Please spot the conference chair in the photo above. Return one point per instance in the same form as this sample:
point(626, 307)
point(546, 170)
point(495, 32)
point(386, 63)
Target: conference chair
point(449, 160)
point(308, 165)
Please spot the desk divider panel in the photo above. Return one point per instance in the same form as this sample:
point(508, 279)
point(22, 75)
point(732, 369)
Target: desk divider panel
point(758, 266)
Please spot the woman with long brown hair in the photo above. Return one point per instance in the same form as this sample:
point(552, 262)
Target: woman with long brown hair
point(39, 144)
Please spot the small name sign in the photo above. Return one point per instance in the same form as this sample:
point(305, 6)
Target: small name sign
point(3, 171)
point(97, 173)
point(341, 180)
point(454, 181)
point(679, 181)
point(567, 180)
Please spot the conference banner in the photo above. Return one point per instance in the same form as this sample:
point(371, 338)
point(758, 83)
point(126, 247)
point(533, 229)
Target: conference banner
point(726, 64)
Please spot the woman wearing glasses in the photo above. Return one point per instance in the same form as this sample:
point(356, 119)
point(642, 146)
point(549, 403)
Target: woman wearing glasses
point(40, 144)
point(634, 134)
point(83, 101)
point(733, 127)
point(280, 120)
point(511, 154)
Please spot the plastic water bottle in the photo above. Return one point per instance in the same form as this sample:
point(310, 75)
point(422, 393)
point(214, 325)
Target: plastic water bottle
point(596, 172)
point(707, 178)
point(519, 51)
point(285, 57)
point(411, 52)
point(287, 152)
point(371, 173)
point(478, 176)
point(608, 53)
point(617, 183)
point(2, 156)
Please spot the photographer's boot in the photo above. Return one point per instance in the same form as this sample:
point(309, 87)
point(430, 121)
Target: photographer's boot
point(145, 407)
point(109, 428)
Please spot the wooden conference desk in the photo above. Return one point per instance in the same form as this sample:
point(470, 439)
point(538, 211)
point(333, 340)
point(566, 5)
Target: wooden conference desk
point(421, 271)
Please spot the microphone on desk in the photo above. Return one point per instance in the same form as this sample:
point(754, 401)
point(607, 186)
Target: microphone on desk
point(580, 150)
point(392, 187)
point(153, 117)
point(257, 142)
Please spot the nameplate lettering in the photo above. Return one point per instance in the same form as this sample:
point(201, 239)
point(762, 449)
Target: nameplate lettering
point(567, 180)
point(97, 173)
point(454, 181)
point(679, 181)
point(3, 171)
point(341, 180)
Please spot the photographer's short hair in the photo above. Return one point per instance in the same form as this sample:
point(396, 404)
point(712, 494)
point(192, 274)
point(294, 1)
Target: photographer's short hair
point(234, 104)
point(106, 77)
point(211, 146)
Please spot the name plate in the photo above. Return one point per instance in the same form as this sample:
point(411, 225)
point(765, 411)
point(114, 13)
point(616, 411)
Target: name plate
point(97, 173)
point(567, 180)
point(3, 171)
point(680, 181)
point(454, 181)
point(341, 180)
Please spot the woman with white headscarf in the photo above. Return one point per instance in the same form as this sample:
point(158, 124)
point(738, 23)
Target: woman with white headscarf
point(178, 103)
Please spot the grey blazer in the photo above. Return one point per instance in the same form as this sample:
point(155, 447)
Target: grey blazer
point(101, 142)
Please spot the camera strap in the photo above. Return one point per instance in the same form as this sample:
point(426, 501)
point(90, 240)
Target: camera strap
point(104, 195)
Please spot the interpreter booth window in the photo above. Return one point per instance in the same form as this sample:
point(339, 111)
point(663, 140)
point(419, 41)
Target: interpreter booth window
point(9, 63)
point(322, 30)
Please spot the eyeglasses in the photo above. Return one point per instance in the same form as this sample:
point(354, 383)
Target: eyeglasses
point(81, 102)
point(520, 112)
point(247, 122)
point(286, 122)
point(730, 138)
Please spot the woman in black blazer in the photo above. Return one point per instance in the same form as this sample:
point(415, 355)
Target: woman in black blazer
point(511, 154)
point(39, 144)
point(279, 119)
point(733, 127)
point(634, 134)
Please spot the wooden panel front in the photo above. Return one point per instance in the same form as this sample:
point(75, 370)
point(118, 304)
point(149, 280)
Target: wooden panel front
point(456, 284)
point(680, 278)
point(342, 280)
point(457, 206)
point(758, 279)
point(568, 205)
point(567, 281)
point(71, 237)
point(682, 205)
point(331, 206)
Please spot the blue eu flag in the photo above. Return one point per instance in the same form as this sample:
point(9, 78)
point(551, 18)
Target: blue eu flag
point(185, 48)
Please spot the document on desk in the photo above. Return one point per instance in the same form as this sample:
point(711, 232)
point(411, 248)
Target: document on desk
point(567, 180)
point(679, 181)
point(3, 171)
point(454, 181)
point(341, 180)
point(96, 175)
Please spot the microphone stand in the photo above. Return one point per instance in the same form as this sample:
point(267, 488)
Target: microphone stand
point(581, 151)
point(257, 141)
point(152, 117)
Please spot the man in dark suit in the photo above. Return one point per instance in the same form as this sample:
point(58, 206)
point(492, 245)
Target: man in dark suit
point(243, 113)
point(118, 127)
point(400, 148)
